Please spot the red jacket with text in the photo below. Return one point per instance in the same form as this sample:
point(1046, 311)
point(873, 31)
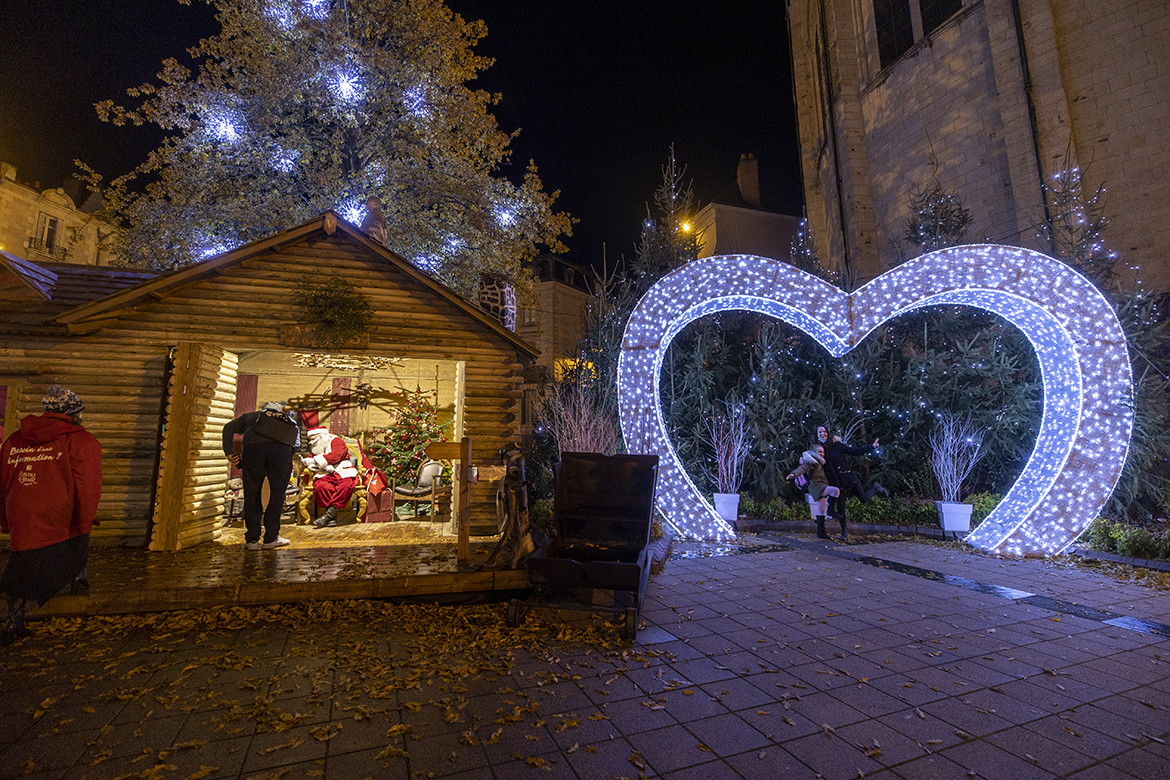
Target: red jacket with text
point(51, 481)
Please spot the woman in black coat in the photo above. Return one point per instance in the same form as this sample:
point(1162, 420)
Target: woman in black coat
point(840, 473)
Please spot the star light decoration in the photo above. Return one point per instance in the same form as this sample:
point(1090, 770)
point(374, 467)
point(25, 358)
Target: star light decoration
point(1087, 419)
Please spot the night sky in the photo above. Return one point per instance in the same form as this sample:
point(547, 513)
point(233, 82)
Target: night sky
point(599, 90)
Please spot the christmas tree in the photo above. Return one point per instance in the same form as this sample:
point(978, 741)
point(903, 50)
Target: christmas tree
point(400, 447)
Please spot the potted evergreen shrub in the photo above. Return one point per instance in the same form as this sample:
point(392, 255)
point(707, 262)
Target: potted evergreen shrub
point(956, 446)
point(728, 437)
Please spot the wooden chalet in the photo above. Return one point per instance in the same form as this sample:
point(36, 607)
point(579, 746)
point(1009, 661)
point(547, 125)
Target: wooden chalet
point(164, 360)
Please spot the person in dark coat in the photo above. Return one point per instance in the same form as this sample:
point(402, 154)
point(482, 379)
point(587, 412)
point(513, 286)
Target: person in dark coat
point(840, 473)
point(51, 479)
point(270, 438)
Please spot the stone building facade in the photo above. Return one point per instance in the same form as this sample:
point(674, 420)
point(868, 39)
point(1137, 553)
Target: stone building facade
point(1005, 94)
point(49, 225)
point(552, 319)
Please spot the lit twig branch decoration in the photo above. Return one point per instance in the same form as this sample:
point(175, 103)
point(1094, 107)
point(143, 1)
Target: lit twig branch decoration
point(727, 434)
point(956, 447)
point(577, 419)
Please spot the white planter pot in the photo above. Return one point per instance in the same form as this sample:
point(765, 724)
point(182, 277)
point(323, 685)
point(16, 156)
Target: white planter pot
point(955, 517)
point(727, 505)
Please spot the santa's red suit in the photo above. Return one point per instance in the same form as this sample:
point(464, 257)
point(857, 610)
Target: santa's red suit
point(334, 475)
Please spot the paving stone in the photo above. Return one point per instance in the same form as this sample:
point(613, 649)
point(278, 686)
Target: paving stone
point(823, 709)
point(366, 763)
point(832, 757)
point(774, 762)
point(726, 734)
point(668, 749)
point(867, 699)
point(1028, 745)
point(986, 760)
point(882, 743)
point(609, 758)
point(1103, 772)
point(1083, 739)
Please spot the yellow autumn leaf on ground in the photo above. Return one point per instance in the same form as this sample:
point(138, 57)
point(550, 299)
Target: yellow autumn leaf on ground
point(202, 772)
point(393, 750)
point(292, 743)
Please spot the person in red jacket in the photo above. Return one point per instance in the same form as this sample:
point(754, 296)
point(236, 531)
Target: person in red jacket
point(51, 482)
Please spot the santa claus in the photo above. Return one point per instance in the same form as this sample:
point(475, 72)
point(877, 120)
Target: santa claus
point(334, 475)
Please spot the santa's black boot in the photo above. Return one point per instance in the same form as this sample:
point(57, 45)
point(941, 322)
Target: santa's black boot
point(327, 519)
point(821, 527)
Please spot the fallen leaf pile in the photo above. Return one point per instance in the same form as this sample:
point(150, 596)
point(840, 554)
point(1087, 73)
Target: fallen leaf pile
point(314, 671)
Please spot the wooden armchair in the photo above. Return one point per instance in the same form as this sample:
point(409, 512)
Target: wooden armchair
point(307, 508)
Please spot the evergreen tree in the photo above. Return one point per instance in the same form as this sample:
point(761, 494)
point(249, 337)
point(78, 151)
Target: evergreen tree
point(668, 240)
point(301, 107)
point(803, 255)
point(937, 217)
point(1075, 227)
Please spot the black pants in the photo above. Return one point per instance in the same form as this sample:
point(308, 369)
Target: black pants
point(849, 484)
point(259, 460)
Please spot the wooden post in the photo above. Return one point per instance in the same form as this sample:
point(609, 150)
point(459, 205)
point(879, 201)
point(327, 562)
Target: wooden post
point(459, 451)
point(176, 447)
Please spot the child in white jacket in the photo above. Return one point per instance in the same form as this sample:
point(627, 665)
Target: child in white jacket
point(812, 463)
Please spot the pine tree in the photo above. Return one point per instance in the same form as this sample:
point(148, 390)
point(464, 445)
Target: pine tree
point(1076, 225)
point(937, 217)
point(301, 107)
point(669, 240)
point(803, 255)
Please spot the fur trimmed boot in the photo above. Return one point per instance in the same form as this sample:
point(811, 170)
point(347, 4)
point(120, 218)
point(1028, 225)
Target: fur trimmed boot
point(821, 527)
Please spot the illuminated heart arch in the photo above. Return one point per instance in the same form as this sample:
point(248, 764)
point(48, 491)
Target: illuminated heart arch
point(1087, 418)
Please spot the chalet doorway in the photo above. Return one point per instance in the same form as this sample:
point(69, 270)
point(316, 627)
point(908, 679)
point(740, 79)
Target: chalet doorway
point(354, 396)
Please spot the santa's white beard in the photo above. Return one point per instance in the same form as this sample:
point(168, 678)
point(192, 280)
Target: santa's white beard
point(319, 445)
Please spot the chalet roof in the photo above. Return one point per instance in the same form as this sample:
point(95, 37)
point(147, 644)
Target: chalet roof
point(164, 284)
point(36, 293)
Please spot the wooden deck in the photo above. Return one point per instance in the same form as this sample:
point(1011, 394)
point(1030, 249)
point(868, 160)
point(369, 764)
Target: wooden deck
point(366, 561)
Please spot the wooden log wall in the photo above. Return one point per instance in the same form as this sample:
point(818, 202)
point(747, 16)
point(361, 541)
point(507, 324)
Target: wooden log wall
point(122, 388)
point(200, 401)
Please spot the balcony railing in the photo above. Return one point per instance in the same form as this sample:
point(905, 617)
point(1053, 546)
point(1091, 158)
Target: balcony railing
point(55, 251)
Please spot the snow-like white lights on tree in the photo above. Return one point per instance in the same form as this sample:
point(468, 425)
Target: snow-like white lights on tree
point(316, 9)
point(225, 125)
point(505, 217)
point(281, 15)
point(352, 211)
point(347, 87)
point(285, 160)
point(1088, 415)
point(415, 101)
point(211, 247)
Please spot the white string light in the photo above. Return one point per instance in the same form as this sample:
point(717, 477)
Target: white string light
point(1087, 418)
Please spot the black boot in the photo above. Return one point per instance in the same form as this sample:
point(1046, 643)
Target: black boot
point(821, 527)
point(14, 627)
point(327, 519)
point(844, 536)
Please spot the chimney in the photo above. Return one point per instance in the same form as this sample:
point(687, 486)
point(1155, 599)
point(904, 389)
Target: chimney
point(72, 188)
point(7, 171)
point(748, 177)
